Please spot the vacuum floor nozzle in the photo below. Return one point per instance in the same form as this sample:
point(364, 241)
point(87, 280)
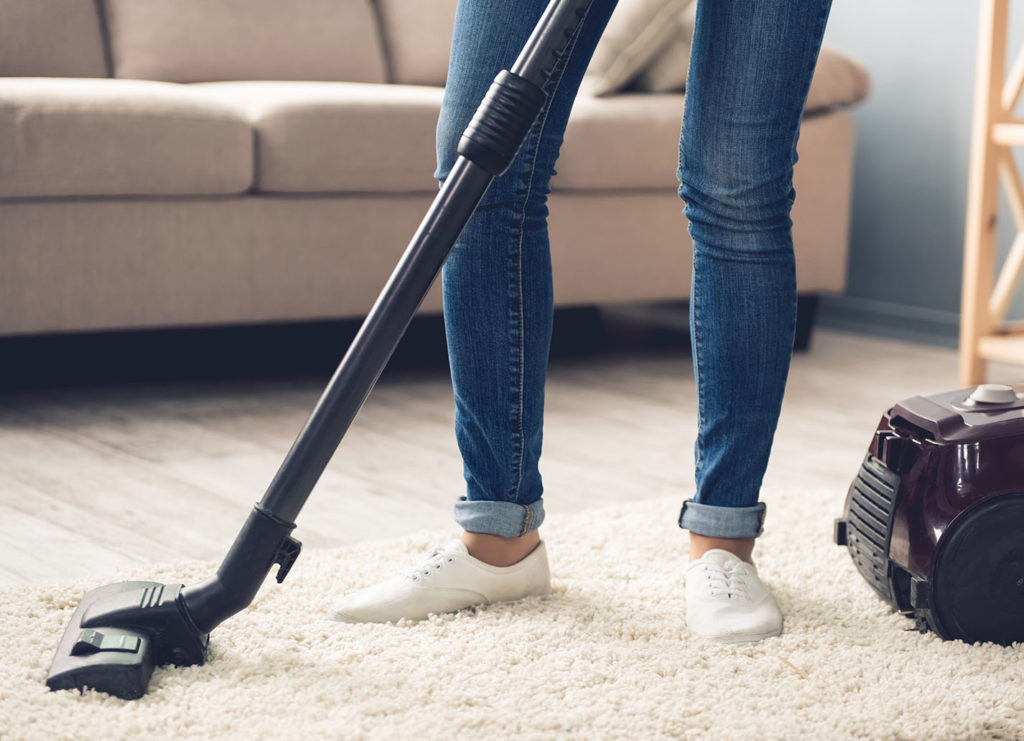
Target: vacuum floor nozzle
point(119, 633)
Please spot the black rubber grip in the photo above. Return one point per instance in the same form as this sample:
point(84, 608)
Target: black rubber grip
point(502, 122)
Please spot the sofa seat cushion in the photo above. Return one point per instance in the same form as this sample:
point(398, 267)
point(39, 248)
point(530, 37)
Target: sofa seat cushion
point(91, 137)
point(603, 152)
point(320, 137)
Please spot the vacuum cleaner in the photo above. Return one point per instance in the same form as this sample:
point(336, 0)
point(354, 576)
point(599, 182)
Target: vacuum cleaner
point(934, 519)
point(120, 632)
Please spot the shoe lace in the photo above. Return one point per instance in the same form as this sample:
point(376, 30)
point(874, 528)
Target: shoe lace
point(730, 582)
point(437, 558)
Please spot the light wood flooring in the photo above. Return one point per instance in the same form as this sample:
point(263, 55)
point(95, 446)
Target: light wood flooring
point(107, 475)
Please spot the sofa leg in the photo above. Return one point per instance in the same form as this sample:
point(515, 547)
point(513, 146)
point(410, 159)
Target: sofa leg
point(806, 314)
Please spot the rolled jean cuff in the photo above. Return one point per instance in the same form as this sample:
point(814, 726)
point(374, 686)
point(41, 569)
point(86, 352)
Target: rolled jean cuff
point(507, 519)
point(722, 522)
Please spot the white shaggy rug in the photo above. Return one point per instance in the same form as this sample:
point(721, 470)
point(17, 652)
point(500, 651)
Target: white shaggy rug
point(605, 657)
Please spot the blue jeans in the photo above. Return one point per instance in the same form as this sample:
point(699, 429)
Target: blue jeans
point(750, 71)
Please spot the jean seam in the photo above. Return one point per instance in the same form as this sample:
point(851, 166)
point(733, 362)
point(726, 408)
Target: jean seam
point(824, 8)
point(540, 126)
point(697, 372)
point(519, 322)
point(802, 101)
point(516, 331)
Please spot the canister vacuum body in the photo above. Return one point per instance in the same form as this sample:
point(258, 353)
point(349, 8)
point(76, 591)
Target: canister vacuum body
point(934, 519)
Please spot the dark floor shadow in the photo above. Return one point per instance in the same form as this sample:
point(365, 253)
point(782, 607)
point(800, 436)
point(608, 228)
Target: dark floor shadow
point(291, 350)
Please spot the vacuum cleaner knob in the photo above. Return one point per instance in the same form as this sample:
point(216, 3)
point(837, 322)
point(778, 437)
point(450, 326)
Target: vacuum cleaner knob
point(993, 393)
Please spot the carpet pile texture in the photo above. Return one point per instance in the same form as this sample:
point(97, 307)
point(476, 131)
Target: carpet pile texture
point(606, 656)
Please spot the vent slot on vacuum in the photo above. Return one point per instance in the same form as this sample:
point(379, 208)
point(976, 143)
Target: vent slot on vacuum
point(868, 523)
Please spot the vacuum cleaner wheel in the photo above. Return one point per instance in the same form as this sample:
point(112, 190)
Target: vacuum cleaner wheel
point(979, 576)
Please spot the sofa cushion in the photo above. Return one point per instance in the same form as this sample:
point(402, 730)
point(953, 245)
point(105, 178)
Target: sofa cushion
point(315, 137)
point(637, 31)
point(668, 70)
point(418, 38)
point(80, 137)
point(197, 40)
point(838, 81)
point(603, 124)
point(51, 38)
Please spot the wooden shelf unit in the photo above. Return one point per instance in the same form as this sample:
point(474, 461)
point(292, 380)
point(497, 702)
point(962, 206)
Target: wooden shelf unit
point(984, 332)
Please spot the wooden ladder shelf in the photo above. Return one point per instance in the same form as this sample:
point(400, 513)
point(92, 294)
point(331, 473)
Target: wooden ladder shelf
point(984, 332)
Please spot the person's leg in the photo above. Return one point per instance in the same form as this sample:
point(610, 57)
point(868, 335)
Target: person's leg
point(751, 67)
point(497, 282)
point(498, 311)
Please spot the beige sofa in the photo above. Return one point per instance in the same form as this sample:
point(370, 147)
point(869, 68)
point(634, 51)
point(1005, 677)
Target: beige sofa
point(152, 176)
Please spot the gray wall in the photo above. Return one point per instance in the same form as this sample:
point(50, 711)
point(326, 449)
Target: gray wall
point(910, 188)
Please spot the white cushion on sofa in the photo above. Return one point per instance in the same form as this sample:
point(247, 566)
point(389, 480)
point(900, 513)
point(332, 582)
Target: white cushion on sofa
point(87, 137)
point(196, 40)
point(637, 31)
point(838, 79)
point(667, 71)
point(317, 137)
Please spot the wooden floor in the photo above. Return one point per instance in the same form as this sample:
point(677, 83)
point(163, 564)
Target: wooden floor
point(107, 475)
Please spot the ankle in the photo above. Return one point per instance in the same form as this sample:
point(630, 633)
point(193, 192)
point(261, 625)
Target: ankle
point(496, 550)
point(742, 548)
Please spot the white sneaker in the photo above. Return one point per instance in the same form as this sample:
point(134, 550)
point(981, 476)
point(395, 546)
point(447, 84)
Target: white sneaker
point(726, 601)
point(448, 580)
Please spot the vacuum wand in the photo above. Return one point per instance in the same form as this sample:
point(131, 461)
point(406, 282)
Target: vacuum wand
point(486, 150)
point(120, 632)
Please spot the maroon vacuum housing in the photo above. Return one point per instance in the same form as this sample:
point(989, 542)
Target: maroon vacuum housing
point(934, 520)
